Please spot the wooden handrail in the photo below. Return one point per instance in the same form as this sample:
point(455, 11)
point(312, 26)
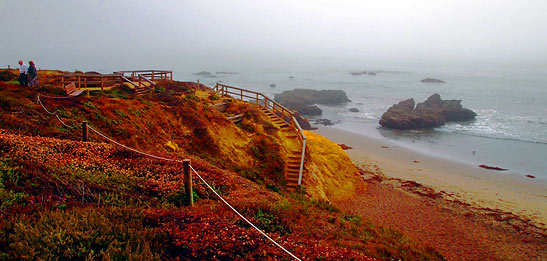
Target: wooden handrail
point(129, 81)
point(144, 71)
point(136, 78)
point(224, 89)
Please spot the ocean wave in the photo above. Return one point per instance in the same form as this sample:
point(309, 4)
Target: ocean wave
point(493, 137)
point(494, 124)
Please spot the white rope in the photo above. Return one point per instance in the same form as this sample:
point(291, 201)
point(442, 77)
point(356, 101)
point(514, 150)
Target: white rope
point(174, 160)
point(242, 217)
point(55, 113)
point(40, 102)
point(205, 182)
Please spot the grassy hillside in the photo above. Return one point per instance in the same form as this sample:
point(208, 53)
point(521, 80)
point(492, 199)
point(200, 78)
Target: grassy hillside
point(61, 197)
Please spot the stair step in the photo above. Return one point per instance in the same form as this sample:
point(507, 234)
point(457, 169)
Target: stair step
point(293, 167)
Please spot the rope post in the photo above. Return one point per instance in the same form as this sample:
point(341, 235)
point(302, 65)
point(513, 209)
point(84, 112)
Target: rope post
point(198, 86)
point(188, 182)
point(84, 131)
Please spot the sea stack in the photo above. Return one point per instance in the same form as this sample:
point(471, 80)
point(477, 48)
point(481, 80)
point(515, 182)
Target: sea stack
point(433, 112)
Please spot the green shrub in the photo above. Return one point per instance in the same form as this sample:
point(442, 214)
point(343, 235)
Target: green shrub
point(269, 222)
point(90, 105)
point(90, 233)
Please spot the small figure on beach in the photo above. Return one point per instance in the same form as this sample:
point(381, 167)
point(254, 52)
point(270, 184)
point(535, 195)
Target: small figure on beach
point(23, 76)
point(32, 74)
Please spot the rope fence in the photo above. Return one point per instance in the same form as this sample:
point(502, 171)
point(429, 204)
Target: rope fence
point(178, 161)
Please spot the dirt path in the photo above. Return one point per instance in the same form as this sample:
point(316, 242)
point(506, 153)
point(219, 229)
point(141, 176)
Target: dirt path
point(457, 231)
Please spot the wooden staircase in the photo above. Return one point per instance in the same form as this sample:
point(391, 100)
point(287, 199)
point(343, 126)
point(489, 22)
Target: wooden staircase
point(292, 166)
point(143, 81)
point(143, 88)
point(290, 131)
point(277, 122)
point(292, 170)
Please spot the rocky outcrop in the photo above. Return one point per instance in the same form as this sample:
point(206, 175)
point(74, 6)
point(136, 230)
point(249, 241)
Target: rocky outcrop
point(303, 100)
point(431, 113)
point(325, 122)
point(303, 122)
point(226, 73)
point(353, 109)
point(432, 80)
point(363, 73)
point(203, 73)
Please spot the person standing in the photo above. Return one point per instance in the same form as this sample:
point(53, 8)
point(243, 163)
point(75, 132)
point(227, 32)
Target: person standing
point(32, 74)
point(23, 70)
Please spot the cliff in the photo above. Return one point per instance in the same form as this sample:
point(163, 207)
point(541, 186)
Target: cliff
point(109, 202)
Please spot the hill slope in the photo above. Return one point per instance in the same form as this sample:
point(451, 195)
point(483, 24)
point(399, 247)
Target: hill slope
point(66, 198)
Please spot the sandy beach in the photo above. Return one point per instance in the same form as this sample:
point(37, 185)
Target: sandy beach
point(505, 191)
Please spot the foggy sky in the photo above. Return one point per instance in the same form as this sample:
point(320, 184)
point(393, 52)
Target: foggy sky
point(239, 35)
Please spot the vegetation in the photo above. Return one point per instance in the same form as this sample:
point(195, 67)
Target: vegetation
point(66, 199)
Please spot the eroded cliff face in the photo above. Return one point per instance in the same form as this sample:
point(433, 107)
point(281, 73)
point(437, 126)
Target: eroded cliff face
point(331, 173)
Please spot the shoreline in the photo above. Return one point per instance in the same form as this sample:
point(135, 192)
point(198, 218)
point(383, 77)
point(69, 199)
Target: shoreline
point(478, 187)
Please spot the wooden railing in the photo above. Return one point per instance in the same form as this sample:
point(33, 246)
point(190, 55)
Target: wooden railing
point(91, 81)
point(94, 81)
point(271, 105)
point(148, 74)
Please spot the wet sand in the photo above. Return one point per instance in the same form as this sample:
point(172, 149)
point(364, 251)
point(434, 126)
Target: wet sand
point(504, 191)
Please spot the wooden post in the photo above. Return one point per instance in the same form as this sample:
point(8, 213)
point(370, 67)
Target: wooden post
point(257, 98)
point(87, 93)
point(79, 84)
point(198, 85)
point(188, 182)
point(84, 131)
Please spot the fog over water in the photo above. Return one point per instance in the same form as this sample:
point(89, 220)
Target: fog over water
point(272, 35)
point(493, 55)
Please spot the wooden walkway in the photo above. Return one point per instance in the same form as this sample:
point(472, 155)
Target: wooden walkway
point(141, 81)
point(282, 118)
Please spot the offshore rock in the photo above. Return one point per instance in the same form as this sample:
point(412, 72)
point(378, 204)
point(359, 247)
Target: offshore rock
point(303, 100)
point(432, 80)
point(303, 122)
point(431, 113)
point(325, 122)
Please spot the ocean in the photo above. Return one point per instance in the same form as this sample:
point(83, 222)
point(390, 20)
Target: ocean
point(510, 130)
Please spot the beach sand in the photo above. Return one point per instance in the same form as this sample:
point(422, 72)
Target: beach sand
point(462, 211)
point(498, 190)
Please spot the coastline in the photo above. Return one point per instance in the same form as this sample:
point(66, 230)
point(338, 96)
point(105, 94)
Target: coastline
point(478, 187)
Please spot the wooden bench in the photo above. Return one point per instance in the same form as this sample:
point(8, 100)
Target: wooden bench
point(71, 89)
